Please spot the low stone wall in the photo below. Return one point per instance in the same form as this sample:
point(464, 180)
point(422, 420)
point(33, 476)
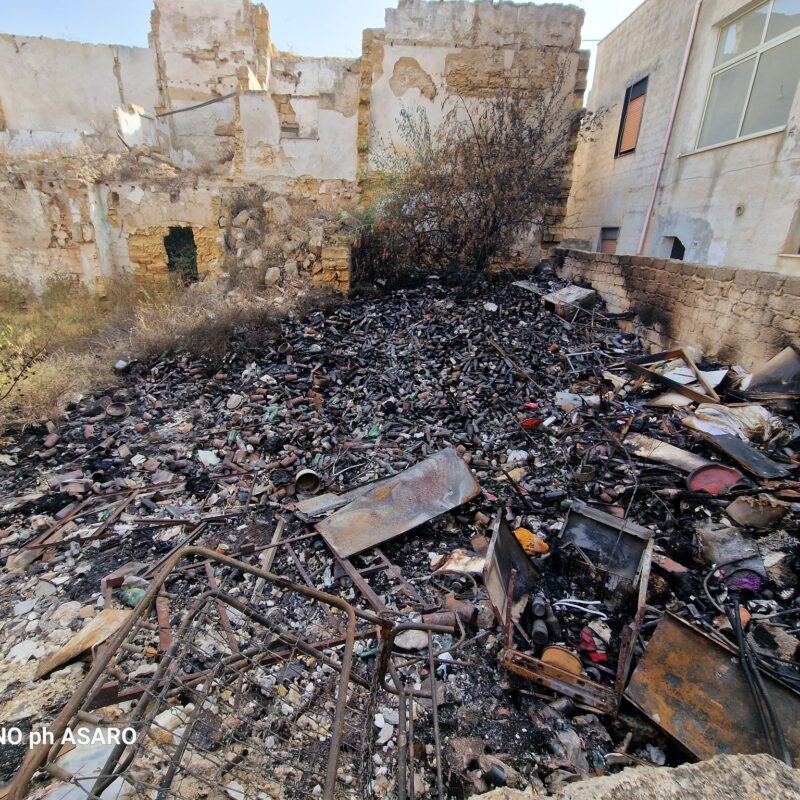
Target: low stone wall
point(738, 316)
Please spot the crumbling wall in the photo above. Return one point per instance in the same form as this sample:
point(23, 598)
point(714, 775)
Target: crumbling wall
point(59, 96)
point(737, 315)
point(305, 127)
point(431, 53)
point(147, 253)
point(104, 146)
point(204, 52)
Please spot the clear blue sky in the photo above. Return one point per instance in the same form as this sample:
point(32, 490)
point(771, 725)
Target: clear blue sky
point(308, 27)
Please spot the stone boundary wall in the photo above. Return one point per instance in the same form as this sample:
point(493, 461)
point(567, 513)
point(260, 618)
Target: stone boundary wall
point(738, 316)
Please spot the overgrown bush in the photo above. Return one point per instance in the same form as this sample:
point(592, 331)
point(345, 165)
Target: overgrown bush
point(458, 198)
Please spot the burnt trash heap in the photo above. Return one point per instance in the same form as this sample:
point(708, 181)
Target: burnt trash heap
point(413, 546)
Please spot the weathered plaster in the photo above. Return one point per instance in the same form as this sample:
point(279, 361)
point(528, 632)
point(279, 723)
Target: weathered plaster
point(102, 148)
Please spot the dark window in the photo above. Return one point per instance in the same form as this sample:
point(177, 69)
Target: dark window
point(676, 250)
point(181, 253)
point(631, 120)
point(608, 240)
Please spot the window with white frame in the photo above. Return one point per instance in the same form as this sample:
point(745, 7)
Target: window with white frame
point(755, 75)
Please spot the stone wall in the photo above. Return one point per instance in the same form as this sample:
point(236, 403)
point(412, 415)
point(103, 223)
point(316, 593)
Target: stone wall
point(434, 55)
point(103, 148)
point(735, 315)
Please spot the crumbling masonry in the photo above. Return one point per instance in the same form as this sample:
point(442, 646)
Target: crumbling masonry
point(106, 148)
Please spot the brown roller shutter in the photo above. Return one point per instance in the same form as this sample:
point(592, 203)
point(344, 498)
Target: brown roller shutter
point(633, 119)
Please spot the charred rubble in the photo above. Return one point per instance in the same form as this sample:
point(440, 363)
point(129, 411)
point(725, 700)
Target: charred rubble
point(419, 545)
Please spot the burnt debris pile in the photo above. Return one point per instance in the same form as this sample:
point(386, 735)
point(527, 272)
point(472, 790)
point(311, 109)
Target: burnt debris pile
point(414, 546)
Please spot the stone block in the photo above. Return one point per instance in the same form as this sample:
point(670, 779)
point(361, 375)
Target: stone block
point(791, 285)
point(336, 253)
point(747, 278)
point(272, 276)
point(722, 273)
point(770, 282)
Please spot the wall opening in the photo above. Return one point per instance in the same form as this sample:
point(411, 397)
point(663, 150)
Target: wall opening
point(181, 252)
point(608, 240)
point(675, 246)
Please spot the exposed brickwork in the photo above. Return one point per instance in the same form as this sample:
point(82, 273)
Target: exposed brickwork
point(737, 315)
point(333, 268)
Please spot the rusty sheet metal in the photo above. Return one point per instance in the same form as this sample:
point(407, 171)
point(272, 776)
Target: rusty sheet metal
point(433, 487)
point(504, 555)
point(695, 690)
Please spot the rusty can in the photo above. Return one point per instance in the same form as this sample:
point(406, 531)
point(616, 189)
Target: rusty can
point(307, 481)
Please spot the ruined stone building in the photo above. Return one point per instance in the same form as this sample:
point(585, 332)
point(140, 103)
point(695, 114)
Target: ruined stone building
point(727, 192)
point(109, 151)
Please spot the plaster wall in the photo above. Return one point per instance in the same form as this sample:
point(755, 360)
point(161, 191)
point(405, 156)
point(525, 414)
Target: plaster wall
point(103, 148)
point(60, 95)
point(430, 52)
point(609, 191)
point(732, 205)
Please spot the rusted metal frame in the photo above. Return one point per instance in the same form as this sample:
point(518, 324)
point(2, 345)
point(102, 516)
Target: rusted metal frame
point(149, 572)
point(164, 674)
point(175, 761)
point(360, 583)
point(437, 742)
point(406, 584)
point(35, 757)
point(404, 752)
point(226, 625)
point(233, 662)
point(109, 693)
point(412, 789)
point(388, 642)
point(584, 692)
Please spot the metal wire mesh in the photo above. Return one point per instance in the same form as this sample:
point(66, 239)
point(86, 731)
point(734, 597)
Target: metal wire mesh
point(250, 695)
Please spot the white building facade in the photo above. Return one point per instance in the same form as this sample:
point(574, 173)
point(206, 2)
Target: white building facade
point(698, 157)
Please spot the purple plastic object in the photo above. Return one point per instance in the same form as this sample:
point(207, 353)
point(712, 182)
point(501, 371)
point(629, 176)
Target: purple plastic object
point(745, 580)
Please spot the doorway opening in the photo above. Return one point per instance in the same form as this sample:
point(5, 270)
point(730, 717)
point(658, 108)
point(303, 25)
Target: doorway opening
point(181, 253)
